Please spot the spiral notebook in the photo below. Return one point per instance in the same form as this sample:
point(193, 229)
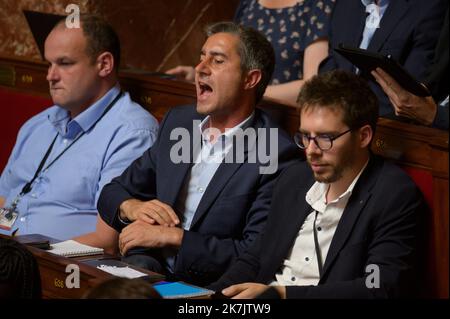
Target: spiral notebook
point(72, 248)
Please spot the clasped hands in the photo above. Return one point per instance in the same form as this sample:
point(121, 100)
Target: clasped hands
point(153, 225)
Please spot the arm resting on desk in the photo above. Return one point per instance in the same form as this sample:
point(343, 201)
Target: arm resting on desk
point(104, 237)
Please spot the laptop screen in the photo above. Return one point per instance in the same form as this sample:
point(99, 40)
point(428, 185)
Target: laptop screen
point(40, 25)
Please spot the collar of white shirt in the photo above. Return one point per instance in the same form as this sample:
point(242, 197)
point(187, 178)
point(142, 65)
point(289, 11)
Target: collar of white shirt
point(380, 3)
point(316, 195)
point(204, 128)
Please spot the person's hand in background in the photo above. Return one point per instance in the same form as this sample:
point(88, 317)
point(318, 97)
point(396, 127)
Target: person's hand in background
point(183, 72)
point(421, 109)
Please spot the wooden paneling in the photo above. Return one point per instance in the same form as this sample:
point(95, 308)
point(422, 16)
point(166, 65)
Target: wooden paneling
point(164, 33)
point(417, 147)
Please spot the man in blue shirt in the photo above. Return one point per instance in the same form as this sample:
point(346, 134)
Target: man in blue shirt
point(64, 155)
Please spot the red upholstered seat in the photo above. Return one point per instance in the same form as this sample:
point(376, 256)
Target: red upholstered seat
point(15, 109)
point(424, 180)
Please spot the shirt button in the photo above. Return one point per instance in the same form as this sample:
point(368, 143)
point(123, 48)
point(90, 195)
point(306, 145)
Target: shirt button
point(319, 228)
point(65, 141)
point(293, 278)
point(307, 259)
point(33, 195)
point(22, 219)
point(200, 190)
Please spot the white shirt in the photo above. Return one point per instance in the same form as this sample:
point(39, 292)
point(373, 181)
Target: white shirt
point(300, 268)
point(205, 166)
point(375, 13)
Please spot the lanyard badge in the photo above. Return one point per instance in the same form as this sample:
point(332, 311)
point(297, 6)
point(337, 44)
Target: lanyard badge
point(8, 215)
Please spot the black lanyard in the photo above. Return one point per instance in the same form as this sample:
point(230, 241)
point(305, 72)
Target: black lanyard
point(317, 247)
point(27, 188)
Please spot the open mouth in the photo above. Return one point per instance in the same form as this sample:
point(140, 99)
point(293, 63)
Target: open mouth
point(203, 90)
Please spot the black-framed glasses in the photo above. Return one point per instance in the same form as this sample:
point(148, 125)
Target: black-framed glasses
point(324, 141)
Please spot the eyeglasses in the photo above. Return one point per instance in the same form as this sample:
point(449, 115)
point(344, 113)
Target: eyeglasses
point(324, 142)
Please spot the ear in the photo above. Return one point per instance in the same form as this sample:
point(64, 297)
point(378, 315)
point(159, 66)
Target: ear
point(105, 64)
point(365, 136)
point(252, 78)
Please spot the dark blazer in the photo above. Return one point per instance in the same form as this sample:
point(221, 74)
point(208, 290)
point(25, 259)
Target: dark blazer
point(378, 226)
point(438, 73)
point(233, 209)
point(438, 76)
point(408, 31)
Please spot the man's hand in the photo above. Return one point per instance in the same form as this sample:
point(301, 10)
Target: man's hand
point(248, 290)
point(2, 201)
point(183, 72)
point(421, 109)
point(151, 212)
point(141, 234)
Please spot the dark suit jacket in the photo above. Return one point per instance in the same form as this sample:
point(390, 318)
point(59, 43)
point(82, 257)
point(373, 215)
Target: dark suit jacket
point(408, 31)
point(438, 76)
point(378, 226)
point(233, 208)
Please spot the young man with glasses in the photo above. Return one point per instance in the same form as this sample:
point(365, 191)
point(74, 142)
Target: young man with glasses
point(342, 225)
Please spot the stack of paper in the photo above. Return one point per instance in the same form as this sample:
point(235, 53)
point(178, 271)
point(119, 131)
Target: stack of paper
point(124, 272)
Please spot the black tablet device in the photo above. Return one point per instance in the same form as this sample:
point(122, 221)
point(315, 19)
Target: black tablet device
point(35, 240)
point(367, 61)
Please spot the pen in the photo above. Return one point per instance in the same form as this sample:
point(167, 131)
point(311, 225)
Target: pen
point(14, 232)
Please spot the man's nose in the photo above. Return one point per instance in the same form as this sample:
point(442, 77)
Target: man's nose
point(313, 148)
point(203, 68)
point(52, 73)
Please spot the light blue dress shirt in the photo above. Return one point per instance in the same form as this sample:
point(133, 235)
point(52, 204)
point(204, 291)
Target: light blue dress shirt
point(63, 199)
point(376, 13)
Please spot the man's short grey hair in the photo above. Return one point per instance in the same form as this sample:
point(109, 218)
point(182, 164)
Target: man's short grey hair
point(255, 51)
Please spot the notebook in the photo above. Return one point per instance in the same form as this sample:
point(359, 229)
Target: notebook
point(71, 248)
point(178, 290)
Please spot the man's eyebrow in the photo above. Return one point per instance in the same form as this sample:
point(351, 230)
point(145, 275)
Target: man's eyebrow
point(318, 133)
point(60, 59)
point(214, 53)
point(64, 58)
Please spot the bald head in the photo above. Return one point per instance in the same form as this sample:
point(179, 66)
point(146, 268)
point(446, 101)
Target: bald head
point(77, 78)
point(100, 37)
